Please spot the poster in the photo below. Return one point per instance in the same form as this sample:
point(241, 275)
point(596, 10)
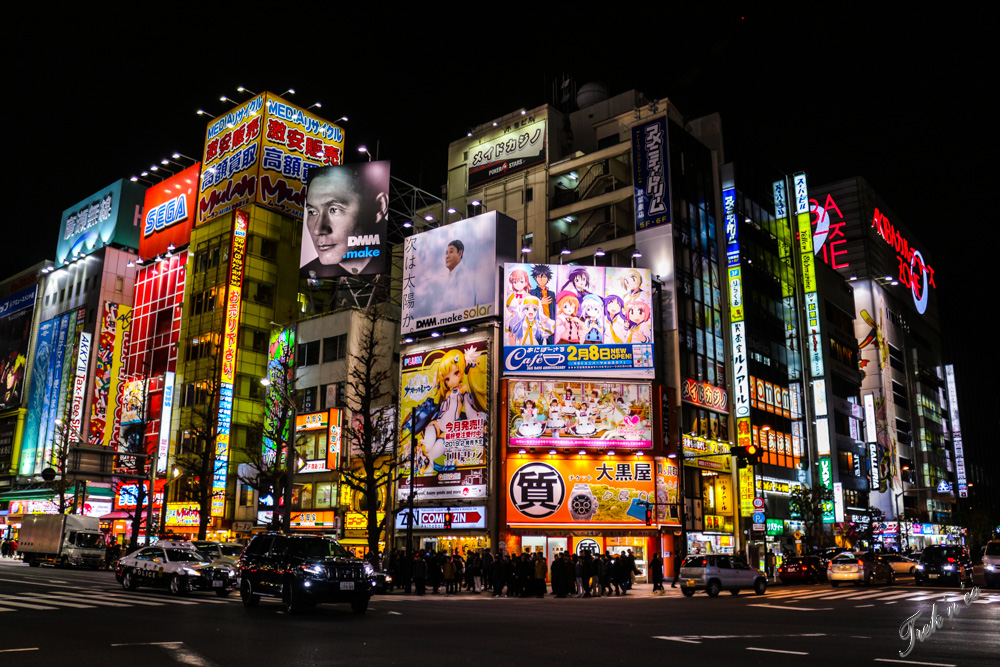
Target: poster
point(550, 413)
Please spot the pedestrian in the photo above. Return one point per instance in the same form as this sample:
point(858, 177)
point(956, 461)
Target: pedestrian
point(769, 564)
point(656, 573)
point(419, 573)
point(539, 575)
point(449, 576)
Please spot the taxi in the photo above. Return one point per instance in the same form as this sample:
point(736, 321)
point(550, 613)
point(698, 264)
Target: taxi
point(177, 566)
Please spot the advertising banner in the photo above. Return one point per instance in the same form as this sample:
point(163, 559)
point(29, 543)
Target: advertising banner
point(578, 320)
point(432, 518)
point(113, 214)
point(579, 415)
point(667, 489)
point(8, 431)
point(166, 413)
point(169, 212)
point(445, 406)
point(507, 154)
point(280, 367)
point(261, 152)
point(345, 220)
point(322, 519)
point(333, 446)
point(43, 350)
point(80, 382)
point(651, 173)
point(183, 515)
point(708, 454)
point(450, 273)
point(106, 409)
point(593, 491)
point(16, 312)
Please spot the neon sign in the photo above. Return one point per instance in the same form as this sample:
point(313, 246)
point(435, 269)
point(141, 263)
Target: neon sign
point(914, 272)
point(828, 237)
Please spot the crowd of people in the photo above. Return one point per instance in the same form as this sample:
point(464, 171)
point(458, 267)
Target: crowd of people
point(519, 575)
point(8, 548)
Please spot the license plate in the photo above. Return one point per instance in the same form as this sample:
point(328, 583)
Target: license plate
point(217, 583)
point(347, 585)
point(932, 576)
point(690, 583)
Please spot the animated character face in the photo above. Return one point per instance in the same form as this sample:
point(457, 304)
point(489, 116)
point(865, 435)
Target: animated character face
point(614, 307)
point(518, 283)
point(581, 282)
point(530, 311)
point(542, 280)
point(637, 314)
point(633, 282)
point(591, 310)
point(568, 308)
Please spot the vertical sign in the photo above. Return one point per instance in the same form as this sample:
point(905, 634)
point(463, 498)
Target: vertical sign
point(838, 502)
point(651, 171)
point(807, 263)
point(741, 371)
point(166, 413)
point(80, 383)
point(228, 372)
point(333, 440)
point(956, 428)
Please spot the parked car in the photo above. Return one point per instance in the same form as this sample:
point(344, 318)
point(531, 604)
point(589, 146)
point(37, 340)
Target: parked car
point(991, 563)
point(860, 568)
point(303, 570)
point(942, 563)
point(220, 552)
point(900, 564)
point(714, 572)
point(809, 569)
point(177, 566)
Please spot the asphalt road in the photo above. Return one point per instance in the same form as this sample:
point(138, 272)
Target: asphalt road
point(52, 616)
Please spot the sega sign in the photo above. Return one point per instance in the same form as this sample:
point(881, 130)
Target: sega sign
point(166, 214)
point(169, 209)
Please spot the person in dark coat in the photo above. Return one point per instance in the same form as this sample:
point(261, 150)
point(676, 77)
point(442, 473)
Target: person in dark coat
point(419, 573)
point(558, 577)
point(656, 573)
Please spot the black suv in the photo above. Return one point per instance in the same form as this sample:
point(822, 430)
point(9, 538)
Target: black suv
point(303, 570)
point(944, 563)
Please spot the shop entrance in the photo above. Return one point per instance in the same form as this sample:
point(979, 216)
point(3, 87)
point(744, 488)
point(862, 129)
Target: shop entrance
point(621, 546)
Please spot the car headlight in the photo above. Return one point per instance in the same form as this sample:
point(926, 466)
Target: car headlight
point(919, 566)
point(316, 571)
point(369, 570)
point(948, 567)
point(191, 572)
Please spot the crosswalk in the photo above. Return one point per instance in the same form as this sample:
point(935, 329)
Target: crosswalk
point(868, 595)
point(93, 598)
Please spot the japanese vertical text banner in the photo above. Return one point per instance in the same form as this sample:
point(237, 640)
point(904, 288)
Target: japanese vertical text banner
point(651, 173)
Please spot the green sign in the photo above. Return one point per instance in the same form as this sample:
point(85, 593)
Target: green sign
point(775, 527)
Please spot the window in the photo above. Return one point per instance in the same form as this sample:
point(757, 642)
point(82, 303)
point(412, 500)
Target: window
point(333, 395)
point(334, 348)
point(309, 353)
point(246, 495)
point(268, 249)
point(306, 399)
point(325, 492)
point(264, 294)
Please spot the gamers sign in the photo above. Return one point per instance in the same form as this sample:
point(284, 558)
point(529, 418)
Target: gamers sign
point(914, 272)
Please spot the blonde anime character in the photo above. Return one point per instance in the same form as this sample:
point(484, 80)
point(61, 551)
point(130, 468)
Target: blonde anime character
point(529, 326)
point(460, 393)
point(631, 282)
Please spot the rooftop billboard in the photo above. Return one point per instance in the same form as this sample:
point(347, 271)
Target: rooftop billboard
point(169, 212)
point(450, 273)
point(110, 215)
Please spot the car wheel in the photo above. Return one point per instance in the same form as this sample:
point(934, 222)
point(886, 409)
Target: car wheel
point(688, 592)
point(177, 585)
point(128, 581)
point(892, 578)
point(734, 591)
point(32, 561)
point(834, 583)
point(760, 586)
point(359, 606)
point(713, 589)
point(869, 579)
point(294, 599)
point(913, 570)
point(247, 595)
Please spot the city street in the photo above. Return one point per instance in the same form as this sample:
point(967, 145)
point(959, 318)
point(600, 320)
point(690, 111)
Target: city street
point(53, 615)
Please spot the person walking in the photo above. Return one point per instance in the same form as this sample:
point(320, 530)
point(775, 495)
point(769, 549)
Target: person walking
point(419, 573)
point(656, 574)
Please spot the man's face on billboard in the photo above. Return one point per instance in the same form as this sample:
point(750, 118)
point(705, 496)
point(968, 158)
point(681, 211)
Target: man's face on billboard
point(452, 256)
point(332, 210)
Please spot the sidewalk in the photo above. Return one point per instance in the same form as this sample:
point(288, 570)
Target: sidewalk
point(637, 591)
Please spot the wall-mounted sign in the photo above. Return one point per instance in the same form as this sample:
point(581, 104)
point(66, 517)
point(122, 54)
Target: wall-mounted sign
point(432, 518)
point(914, 272)
point(169, 212)
point(183, 515)
point(507, 153)
point(651, 173)
point(705, 395)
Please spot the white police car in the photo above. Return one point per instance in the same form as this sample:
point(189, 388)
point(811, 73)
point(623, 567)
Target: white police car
point(177, 566)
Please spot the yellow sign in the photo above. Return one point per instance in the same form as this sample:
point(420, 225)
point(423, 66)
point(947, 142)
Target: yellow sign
point(746, 492)
point(806, 253)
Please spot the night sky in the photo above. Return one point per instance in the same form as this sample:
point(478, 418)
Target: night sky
point(899, 98)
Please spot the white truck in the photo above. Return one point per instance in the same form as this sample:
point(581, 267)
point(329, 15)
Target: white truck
point(63, 539)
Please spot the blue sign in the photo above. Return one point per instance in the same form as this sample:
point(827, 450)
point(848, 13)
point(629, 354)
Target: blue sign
point(570, 358)
point(111, 215)
point(651, 174)
point(758, 517)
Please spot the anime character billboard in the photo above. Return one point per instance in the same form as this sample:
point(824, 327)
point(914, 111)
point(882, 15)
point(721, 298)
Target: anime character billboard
point(579, 414)
point(443, 415)
point(579, 320)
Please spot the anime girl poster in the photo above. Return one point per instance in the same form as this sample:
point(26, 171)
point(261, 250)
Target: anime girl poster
point(628, 316)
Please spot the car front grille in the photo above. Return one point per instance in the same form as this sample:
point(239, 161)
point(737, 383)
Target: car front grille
point(345, 572)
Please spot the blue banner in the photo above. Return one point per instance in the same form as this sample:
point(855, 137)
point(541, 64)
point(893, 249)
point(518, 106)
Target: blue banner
point(574, 358)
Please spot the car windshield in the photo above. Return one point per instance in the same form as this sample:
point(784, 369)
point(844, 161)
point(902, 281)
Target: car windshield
point(942, 553)
point(90, 540)
point(993, 549)
point(315, 547)
point(845, 558)
point(231, 550)
point(185, 555)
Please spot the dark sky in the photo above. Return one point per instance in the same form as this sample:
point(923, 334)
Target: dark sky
point(898, 97)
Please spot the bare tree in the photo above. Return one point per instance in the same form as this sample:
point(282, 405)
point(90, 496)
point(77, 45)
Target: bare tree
point(268, 472)
point(808, 503)
point(371, 432)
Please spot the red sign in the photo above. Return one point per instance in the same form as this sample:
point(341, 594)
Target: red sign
point(829, 239)
point(705, 395)
point(914, 272)
point(169, 213)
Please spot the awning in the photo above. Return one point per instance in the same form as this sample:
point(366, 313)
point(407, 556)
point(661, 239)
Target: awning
point(116, 516)
point(49, 494)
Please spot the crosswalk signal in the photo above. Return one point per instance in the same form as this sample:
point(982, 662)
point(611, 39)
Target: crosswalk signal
point(741, 456)
point(649, 516)
point(753, 454)
point(447, 520)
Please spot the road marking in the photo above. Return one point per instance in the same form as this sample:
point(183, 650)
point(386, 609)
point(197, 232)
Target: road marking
point(13, 650)
point(900, 596)
point(395, 613)
point(77, 596)
point(678, 639)
point(49, 598)
point(774, 606)
point(774, 650)
point(914, 662)
point(35, 583)
point(161, 600)
point(858, 606)
point(132, 599)
point(26, 605)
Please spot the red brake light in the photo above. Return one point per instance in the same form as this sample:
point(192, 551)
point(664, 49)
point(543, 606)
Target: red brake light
point(951, 560)
point(861, 562)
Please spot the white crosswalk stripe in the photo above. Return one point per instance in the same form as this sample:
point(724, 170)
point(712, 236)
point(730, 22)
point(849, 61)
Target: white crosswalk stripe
point(4, 599)
point(76, 596)
point(94, 598)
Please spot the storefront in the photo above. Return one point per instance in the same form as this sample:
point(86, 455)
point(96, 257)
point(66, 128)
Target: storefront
point(915, 536)
point(466, 533)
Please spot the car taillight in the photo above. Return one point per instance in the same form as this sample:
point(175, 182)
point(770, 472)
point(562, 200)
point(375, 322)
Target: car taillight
point(951, 560)
point(861, 563)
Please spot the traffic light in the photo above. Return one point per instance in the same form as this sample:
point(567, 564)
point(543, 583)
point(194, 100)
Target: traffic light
point(741, 456)
point(447, 520)
point(753, 454)
point(649, 516)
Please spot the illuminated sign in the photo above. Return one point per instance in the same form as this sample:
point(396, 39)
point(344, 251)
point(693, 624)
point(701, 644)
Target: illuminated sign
point(80, 383)
point(166, 414)
point(741, 370)
point(261, 152)
point(706, 453)
point(313, 422)
point(828, 237)
point(450, 273)
point(228, 372)
point(187, 515)
point(956, 428)
point(838, 502)
point(333, 439)
point(324, 519)
point(914, 272)
point(747, 494)
point(705, 395)
point(651, 173)
point(517, 148)
point(432, 518)
point(111, 215)
point(870, 432)
point(577, 415)
point(826, 480)
point(169, 212)
point(873, 464)
point(589, 491)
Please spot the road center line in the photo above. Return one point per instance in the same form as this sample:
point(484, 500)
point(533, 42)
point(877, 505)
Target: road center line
point(774, 606)
point(914, 662)
point(678, 639)
point(13, 650)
